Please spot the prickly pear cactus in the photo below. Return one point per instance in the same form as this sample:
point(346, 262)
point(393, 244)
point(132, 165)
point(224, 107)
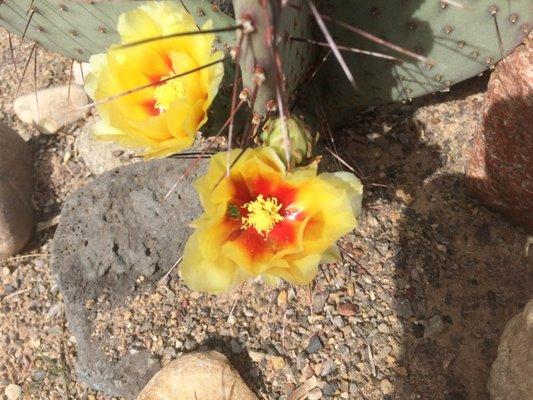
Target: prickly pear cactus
point(267, 50)
point(79, 29)
point(455, 39)
point(460, 39)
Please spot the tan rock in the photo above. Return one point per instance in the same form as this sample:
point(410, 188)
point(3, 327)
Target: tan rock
point(13, 392)
point(512, 372)
point(16, 190)
point(53, 108)
point(386, 386)
point(196, 376)
point(80, 72)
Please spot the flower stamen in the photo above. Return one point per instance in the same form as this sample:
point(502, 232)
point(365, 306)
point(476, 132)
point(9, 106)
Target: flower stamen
point(167, 93)
point(263, 214)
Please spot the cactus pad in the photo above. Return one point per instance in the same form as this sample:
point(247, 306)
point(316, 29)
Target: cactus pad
point(79, 29)
point(460, 42)
point(295, 57)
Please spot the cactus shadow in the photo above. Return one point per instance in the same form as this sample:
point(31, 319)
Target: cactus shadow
point(378, 80)
point(458, 269)
point(462, 272)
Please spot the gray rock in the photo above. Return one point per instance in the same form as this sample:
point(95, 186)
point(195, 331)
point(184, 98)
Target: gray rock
point(236, 346)
point(16, 190)
point(54, 107)
point(403, 308)
point(512, 372)
point(112, 231)
point(38, 375)
point(315, 344)
point(328, 367)
point(100, 156)
point(435, 326)
point(319, 300)
point(190, 344)
point(330, 388)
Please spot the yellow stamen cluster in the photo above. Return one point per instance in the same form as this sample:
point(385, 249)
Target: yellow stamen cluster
point(263, 214)
point(167, 93)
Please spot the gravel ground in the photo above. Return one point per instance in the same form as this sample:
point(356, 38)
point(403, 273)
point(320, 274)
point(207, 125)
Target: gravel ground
point(415, 311)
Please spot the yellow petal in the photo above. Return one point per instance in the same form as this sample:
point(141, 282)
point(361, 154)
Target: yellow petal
point(202, 274)
point(330, 204)
point(160, 118)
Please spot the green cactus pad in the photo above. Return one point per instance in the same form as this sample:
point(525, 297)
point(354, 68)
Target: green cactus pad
point(461, 43)
point(79, 29)
point(296, 57)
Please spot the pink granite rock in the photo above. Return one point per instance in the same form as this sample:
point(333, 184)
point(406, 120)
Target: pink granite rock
point(500, 163)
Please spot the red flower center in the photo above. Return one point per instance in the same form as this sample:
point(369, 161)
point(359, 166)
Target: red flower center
point(261, 216)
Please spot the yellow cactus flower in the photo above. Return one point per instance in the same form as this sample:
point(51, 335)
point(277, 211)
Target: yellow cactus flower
point(265, 220)
point(162, 119)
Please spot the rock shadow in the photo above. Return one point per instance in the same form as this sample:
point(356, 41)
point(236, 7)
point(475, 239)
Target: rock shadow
point(55, 175)
point(239, 358)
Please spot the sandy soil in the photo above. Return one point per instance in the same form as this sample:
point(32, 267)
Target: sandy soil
point(415, 311)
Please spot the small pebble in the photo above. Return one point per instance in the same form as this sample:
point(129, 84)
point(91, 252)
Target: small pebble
point(386, 386)
point(13, 392)
point(330, 388)
point(277, 362)
point(256, 356)
point(315, 394)
point(236, 346)
point(347, 309)
point(435, 326)
point(318, 303)
point(190, 344)
point(282, 298)
point(38, 375)
point(315, 344)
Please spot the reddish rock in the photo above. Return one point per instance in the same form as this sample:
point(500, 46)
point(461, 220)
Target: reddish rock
point(500, 164)
point(347, 309)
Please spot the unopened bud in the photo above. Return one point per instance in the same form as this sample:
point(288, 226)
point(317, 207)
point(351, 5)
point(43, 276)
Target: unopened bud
point(300, 137)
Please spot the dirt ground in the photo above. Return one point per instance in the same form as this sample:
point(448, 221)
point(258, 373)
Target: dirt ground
point(429, 278)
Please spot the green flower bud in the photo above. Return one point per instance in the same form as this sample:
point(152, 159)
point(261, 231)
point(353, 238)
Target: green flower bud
point(300, 138)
